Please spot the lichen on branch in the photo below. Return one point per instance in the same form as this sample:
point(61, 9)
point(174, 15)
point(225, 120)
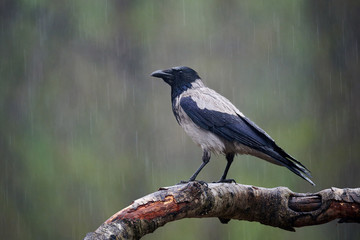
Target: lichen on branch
point(277, 207)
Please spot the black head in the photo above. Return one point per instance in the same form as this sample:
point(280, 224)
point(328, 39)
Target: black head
point(177, 76)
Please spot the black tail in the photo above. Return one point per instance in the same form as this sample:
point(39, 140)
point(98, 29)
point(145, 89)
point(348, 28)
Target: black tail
point(291, 163)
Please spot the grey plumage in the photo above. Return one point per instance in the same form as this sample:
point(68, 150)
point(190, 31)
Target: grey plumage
point(217, 126)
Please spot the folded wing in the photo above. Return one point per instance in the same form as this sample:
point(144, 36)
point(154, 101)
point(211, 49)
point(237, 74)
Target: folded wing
point(235, 127)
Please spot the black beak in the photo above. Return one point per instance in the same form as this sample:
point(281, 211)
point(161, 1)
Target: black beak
point(162, 74)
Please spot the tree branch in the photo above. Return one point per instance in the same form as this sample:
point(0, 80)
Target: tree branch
point(277, 207)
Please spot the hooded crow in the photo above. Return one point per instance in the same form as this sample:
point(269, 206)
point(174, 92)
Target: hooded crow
point(217, 126)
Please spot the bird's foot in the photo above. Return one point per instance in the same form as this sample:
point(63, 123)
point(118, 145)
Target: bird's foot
point(230, 180)
point(198, 181)
point(182, 182)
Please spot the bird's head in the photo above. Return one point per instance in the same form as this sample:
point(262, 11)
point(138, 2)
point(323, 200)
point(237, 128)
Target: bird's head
point(177, 76)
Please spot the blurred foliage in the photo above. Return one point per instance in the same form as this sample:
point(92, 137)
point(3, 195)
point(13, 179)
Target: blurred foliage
point(85, 130)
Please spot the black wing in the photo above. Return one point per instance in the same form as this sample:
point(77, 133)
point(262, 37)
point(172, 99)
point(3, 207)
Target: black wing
point(242, 130)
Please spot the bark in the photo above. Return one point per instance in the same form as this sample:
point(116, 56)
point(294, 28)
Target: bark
point(277, 207)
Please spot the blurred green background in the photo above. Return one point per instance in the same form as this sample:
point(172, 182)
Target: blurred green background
point(84, 129)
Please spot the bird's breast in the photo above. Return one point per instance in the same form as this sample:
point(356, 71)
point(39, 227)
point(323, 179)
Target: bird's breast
point(204, 138)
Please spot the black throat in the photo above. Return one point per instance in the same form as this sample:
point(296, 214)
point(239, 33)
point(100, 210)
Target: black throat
point(177, 90)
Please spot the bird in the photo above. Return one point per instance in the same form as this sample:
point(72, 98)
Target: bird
point(218, 127)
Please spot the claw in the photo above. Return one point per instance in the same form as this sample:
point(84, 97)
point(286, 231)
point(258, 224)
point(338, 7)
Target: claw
point(226, 181)
point(198, 181)
point(182, 182)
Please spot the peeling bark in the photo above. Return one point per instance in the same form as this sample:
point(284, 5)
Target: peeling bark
point(277, 207)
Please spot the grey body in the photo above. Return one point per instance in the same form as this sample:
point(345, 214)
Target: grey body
point(217, 126)
point(208, 141)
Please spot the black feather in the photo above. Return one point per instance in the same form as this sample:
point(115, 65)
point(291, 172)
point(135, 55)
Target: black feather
point(236, 128)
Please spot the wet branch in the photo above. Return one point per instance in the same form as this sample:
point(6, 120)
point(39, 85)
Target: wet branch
point(277, 207)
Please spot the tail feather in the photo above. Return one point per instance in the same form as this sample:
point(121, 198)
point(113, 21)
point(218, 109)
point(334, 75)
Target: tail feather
point(286, 155)
point(291, 163)
point(300, 171)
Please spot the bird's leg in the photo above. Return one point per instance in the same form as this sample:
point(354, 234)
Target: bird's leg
point(229, 158)
point(205, 158)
